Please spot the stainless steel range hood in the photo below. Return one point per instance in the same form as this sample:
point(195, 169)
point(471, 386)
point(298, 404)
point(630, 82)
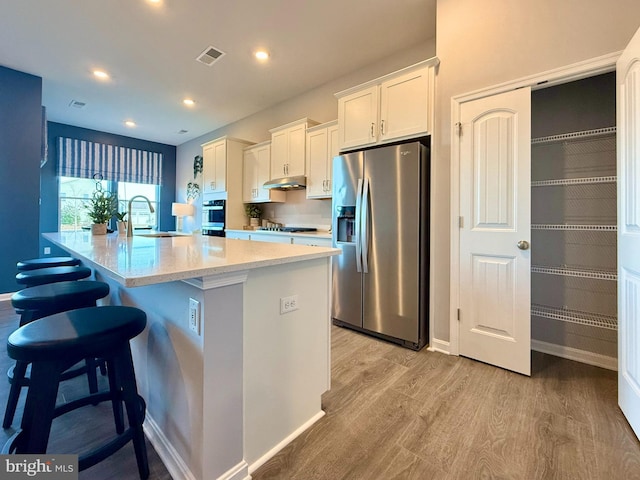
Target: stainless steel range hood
point(287, 183)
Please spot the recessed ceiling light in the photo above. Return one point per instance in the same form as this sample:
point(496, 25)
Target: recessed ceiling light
point(188, 102)
point(101, 74)
point(154, 1)
point(130, 123)
point(262, 55)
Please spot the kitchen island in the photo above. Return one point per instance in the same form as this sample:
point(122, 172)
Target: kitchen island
point(226, 395)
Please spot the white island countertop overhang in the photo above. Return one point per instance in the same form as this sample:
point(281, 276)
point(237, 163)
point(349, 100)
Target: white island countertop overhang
point(140, 260)
point(226, 396)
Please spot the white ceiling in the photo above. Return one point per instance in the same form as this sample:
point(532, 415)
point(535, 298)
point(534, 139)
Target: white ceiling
point(150, 53)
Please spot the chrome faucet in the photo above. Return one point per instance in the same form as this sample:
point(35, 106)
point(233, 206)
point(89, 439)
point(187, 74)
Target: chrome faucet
point(130, 222)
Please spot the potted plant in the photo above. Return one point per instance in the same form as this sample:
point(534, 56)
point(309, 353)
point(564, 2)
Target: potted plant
point(122, 223)
point(253, 211)
point(101, 207)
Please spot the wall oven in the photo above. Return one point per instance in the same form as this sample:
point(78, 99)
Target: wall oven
point(213, 218)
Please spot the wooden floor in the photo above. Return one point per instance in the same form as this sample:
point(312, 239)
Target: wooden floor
point(397, 414)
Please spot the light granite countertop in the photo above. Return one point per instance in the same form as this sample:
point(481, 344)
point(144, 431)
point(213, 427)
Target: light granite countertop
point(139, 260)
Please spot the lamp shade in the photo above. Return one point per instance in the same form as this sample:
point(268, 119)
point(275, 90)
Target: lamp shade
point(181, 209)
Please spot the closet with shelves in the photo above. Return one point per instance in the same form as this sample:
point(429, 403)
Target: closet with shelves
point(574, 218)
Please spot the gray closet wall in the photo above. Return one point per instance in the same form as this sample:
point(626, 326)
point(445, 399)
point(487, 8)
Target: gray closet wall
point(573, 215)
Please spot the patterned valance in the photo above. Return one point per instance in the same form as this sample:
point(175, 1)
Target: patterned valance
point(84, 159)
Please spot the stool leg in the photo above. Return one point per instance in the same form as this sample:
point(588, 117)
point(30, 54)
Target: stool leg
point(92, 377)
point(135, 413)
point(116, 400)
point(39, 407)
point(19, 372)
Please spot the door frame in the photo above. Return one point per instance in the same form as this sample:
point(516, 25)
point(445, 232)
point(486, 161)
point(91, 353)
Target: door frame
point(576, 71)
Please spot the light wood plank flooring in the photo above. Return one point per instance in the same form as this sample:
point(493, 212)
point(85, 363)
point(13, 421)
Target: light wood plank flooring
point(397, 414)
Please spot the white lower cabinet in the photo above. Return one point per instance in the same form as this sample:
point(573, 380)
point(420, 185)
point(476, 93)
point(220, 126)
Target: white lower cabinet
point(279, 238)
point(314, 242)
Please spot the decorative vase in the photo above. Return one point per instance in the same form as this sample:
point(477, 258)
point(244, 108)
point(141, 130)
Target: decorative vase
point(254, 222)
point(99, 229)
point(122, 228)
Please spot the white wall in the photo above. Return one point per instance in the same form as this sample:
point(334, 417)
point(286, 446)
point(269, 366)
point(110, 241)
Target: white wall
point(481, 43)
point(318, 104)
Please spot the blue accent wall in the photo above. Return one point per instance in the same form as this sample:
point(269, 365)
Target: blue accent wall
point(49, 181)
point(20, 144)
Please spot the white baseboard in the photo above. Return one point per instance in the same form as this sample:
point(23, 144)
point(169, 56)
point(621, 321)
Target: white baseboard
point(271, 453)
point(590, 358)
point(439, 346)
point(176, 467)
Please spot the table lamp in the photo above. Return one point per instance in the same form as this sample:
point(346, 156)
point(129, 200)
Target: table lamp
point(180, 210)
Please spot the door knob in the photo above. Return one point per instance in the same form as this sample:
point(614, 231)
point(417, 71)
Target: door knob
point(523, 245)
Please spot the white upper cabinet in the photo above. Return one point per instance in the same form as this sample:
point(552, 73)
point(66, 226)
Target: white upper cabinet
point(222, 164)
point(322, 146)
point(288, 148)
point(214, 166)
point(257, 164)
point(390, 108)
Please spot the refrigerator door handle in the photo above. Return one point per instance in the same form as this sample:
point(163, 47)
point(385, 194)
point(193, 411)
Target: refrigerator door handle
point(364, 219)
point(358, 231)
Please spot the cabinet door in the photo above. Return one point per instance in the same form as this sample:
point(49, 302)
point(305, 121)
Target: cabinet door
point(238, 235)
point(249, 176)
point(404, 106)
point(297, 142)
point(263, 164)
point(358, 118)
point(214, 167)
point(312, 242)
point(317, 155)
point(220, 154)
point(279, 153)
point(268, 237)
point(334, 150)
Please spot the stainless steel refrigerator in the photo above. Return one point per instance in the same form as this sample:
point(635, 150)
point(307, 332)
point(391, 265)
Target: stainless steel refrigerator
point(381, 224)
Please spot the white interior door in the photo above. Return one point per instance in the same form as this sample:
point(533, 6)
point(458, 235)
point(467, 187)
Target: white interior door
point(495, 205)
point(628, 80)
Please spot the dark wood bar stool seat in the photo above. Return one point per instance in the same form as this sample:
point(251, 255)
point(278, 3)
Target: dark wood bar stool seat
point(43, 300)
point(51, 345)
point(36, 263)
point(42, 276)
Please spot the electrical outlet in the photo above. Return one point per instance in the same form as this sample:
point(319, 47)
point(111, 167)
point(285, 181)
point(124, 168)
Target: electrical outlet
point(194, 315)
point(47, 250)
point(288, 304)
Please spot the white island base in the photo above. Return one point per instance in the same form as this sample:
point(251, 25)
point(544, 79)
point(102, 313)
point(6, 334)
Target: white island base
point(223, 401)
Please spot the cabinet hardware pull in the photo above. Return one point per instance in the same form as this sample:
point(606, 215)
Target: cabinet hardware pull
point(372, 125)
point(382, 127)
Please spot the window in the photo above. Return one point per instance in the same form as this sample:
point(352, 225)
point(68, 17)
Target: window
point(74, 193)
point(140, 213)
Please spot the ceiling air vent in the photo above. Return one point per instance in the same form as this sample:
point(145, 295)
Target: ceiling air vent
point(77, 104)
point(209, 56)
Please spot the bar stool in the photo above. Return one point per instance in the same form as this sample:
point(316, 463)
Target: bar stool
point(36, 263)
point(43, 300)
point(41, 276)
point(51, 345)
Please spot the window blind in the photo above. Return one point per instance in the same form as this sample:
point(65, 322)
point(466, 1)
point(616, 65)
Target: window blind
point(84, 159)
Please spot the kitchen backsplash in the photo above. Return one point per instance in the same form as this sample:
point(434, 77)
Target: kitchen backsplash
point(299, 211)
